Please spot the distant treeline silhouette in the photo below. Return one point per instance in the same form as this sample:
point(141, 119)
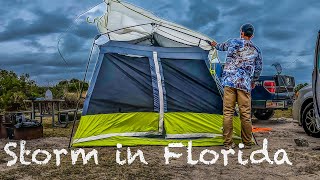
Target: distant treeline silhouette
point(15, 88)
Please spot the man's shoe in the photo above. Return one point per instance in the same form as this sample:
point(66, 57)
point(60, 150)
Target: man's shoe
point(243, 146)
point(228, 147)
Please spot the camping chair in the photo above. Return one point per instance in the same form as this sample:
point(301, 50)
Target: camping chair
point(67, 116)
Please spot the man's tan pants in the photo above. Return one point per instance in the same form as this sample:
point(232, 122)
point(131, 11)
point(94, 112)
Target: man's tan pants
point(231, 96)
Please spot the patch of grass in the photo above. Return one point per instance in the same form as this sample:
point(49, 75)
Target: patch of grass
point(283, 113)
point(49, 131)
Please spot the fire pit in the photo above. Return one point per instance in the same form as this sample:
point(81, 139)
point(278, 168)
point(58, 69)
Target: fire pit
point(3, 132)
point(15, 126)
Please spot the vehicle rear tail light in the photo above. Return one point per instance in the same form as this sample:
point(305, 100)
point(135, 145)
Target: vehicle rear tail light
point(270, 86)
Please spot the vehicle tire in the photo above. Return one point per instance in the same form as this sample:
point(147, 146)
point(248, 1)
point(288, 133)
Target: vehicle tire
point(309, 121)
point(265, 114)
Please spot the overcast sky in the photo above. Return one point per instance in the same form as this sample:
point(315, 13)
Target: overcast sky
point(286, 32)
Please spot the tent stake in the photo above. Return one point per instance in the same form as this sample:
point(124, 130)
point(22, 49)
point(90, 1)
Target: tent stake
point(255, 140)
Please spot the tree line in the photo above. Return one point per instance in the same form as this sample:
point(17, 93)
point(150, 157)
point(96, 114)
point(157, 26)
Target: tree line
point(14, 89)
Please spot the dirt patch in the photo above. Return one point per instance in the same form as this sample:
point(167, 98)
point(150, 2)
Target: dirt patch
point(306, 160)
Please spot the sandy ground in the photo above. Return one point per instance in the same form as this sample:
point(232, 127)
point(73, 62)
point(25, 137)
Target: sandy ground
point(306, 160)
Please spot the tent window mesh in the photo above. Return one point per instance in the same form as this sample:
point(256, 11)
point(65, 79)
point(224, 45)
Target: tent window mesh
point(123, 85)
point(190, 87)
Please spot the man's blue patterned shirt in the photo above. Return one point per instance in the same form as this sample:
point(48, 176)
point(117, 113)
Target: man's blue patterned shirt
point(243, 63)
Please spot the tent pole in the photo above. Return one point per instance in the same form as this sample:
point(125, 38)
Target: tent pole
point(81, 91)
point(107, 33)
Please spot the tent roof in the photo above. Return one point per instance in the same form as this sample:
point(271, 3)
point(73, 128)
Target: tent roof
point(126, 22)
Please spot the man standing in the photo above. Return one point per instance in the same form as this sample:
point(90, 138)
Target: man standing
point(243, 67)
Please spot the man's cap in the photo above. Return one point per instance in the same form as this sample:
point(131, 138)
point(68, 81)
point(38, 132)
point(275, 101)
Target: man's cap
point(247, 29)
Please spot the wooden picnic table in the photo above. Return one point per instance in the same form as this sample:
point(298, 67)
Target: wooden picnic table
point(45, 103)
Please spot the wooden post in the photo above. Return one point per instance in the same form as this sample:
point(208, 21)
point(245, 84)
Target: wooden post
point(59, 120)
point(52, 114)
point(40, 111)
point(33, 110)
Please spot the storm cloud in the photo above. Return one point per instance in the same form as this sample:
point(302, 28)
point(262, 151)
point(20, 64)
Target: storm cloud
point(29, 31)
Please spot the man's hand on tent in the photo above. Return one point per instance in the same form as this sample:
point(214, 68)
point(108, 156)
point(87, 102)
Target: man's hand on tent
point(253, 85)
point(213, 43)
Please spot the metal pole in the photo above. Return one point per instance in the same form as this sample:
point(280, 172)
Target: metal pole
point(81, 91)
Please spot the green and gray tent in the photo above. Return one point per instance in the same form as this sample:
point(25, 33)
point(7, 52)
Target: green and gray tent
point(153, 84)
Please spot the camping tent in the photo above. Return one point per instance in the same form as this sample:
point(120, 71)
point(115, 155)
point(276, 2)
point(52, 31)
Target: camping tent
point(152, 85)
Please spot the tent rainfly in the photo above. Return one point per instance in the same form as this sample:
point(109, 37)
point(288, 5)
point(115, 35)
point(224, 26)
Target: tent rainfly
point(152, 84)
